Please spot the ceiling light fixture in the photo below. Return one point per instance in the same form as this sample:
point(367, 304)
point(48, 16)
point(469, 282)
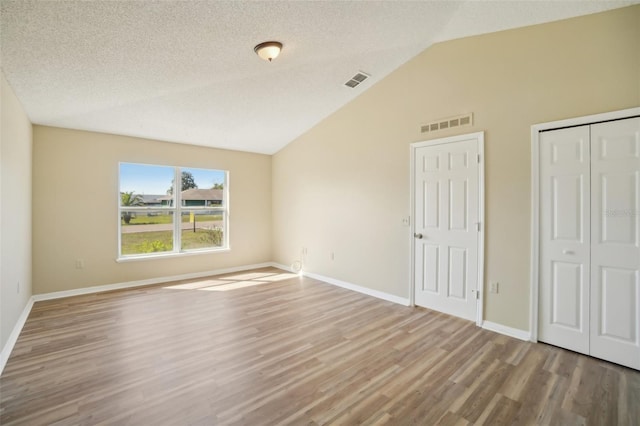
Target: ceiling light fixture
point(269, 50)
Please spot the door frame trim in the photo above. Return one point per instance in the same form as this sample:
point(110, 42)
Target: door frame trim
point(536, 129)
point(479, 137)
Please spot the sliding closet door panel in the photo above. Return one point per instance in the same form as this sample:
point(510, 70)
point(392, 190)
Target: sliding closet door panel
point(563, 318)
point(615, 236)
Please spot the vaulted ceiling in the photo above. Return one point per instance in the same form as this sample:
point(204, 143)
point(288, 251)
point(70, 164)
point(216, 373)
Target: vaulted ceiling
point(186, 71)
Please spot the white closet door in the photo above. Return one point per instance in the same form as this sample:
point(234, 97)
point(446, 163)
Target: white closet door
point(563, 318)
point(615, 241)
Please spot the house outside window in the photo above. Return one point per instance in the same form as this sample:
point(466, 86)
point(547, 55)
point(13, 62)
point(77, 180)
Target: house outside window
point(169, 210)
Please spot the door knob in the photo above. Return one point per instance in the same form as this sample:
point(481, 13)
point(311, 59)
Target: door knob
point(418, 236)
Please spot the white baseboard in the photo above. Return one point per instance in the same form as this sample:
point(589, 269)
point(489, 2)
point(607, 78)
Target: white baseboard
point(159, 280)
point(13, 337)
point(354, 287)
point(507, 331)
point(283, 267)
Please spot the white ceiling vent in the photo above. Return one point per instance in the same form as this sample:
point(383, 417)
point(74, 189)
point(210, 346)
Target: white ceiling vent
point(357, 79)
point(446, 123)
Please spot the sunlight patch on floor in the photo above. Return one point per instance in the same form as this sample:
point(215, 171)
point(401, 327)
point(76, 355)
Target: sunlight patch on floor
point(234, 282)
point(234, 285)
point(279, 277)
point(196, 285)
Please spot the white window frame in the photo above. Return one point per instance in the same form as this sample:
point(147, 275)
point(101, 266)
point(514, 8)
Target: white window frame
point(177, 209)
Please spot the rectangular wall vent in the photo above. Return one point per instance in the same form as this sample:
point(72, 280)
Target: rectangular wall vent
point(356, 79)
point(447, 123)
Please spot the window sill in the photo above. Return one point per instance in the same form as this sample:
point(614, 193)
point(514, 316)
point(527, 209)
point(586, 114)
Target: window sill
point(172, 255)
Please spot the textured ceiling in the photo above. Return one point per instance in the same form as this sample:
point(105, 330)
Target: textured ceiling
point(186, 71)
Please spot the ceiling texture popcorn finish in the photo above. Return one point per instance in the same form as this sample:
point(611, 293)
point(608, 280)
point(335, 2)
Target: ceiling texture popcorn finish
point(186, 72)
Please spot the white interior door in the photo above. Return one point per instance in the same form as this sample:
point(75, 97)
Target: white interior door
point(446, 225)
point(563, 319)
point(615, 244)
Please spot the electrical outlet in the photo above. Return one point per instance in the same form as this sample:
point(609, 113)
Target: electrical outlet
point(406, 221)
point(79, 263)
point(332, 255)
point(494, 287)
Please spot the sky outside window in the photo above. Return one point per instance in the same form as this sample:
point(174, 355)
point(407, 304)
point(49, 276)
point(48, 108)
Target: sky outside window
point(147, 179)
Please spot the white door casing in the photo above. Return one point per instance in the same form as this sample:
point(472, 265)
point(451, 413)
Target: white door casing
point(447, 211)
point(615, 241)
point(564, 238)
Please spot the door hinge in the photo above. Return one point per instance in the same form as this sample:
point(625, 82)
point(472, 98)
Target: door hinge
point(478, 226)
point(477, 294)
point(478, 157)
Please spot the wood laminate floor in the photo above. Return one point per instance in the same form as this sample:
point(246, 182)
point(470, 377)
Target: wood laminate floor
point(269, 348)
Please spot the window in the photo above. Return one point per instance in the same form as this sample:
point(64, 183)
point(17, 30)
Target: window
point(166, 210)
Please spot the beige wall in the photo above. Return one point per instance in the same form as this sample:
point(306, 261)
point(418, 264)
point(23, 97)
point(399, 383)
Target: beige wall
point(343, 187)
point(15, 210)
point(75, 196)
